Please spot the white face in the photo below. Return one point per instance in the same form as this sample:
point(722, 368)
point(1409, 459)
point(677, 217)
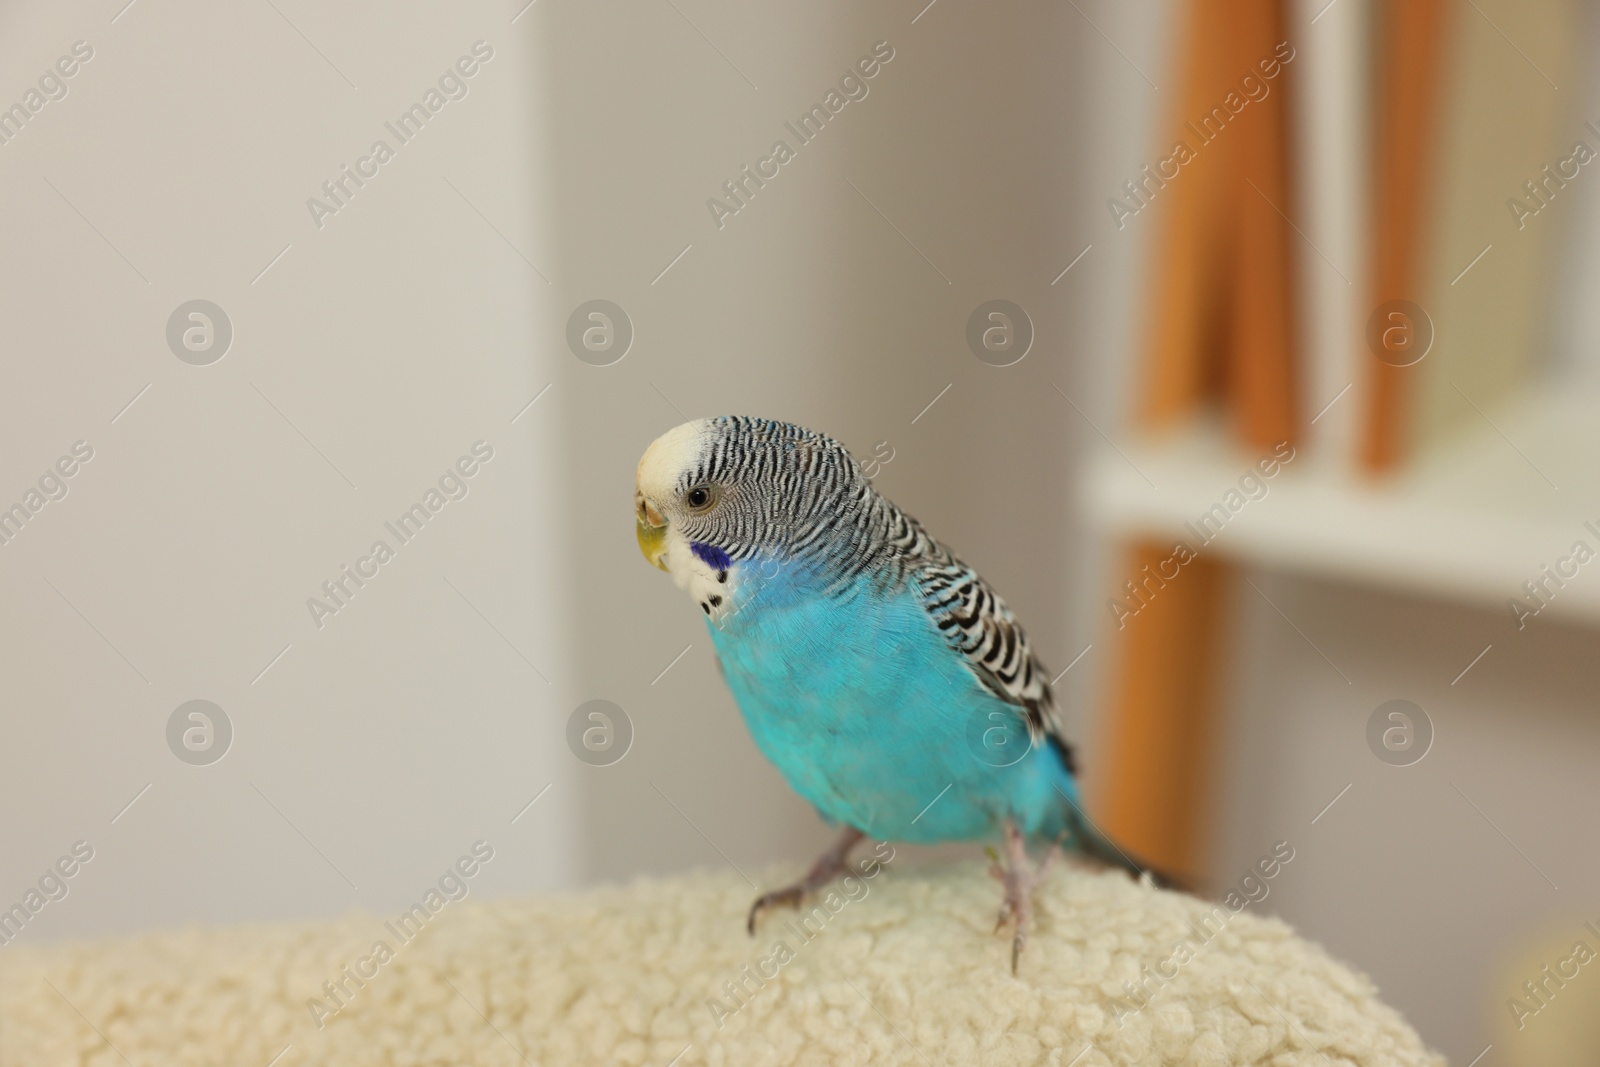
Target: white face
point(659, 505)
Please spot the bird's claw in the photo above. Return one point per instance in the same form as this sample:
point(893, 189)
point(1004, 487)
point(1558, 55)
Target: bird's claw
point(1018, 907)
point(1019, 878)
point(829, 866)
point(789, 895)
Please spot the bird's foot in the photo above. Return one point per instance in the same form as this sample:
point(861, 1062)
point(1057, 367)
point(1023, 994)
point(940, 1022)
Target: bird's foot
point(830, 865)
point(1019, 878)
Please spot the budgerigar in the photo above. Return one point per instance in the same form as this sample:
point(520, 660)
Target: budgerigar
point(887, 681)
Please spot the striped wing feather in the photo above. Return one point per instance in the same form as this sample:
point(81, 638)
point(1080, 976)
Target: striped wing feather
point(978, 624)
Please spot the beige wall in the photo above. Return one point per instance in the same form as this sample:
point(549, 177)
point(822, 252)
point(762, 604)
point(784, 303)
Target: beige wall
point(364, 362)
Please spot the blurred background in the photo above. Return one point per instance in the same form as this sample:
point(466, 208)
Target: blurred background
point(1282, 442)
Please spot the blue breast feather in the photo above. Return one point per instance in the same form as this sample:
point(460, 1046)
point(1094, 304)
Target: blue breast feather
point(879, 723)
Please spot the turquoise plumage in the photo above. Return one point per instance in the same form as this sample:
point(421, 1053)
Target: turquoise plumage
point(884, 678)
point(870, 715)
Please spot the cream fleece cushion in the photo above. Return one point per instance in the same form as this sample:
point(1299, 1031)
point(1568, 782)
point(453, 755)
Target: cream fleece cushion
point(904, 968)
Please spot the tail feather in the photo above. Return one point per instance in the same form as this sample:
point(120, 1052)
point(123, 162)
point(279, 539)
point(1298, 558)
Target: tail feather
point(1092, 842)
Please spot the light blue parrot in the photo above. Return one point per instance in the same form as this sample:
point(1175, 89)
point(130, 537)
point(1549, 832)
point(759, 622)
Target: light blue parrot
point(887, 681)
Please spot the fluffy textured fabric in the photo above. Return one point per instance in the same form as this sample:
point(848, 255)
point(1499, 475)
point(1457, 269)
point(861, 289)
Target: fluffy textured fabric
point(909, 971)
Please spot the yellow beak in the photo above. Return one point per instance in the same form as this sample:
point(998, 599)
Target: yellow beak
point(651, 529)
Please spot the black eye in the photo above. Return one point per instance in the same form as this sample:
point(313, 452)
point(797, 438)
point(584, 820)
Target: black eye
point(698, 497)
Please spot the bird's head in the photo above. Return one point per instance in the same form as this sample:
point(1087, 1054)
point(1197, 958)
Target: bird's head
point(715, 494)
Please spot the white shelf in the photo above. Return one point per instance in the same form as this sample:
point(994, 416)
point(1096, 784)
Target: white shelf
point(1472, 521)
